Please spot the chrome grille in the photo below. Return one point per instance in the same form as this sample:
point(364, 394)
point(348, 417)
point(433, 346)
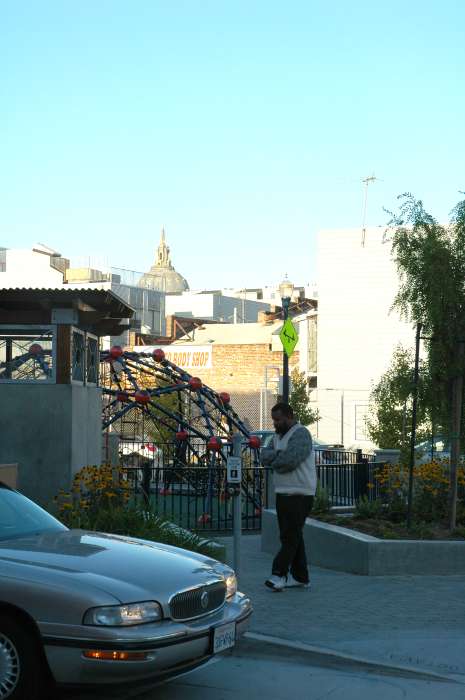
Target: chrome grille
point(198, 601)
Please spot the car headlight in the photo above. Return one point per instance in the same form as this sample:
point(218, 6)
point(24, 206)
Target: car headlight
point(124, 615)
point(231, 585)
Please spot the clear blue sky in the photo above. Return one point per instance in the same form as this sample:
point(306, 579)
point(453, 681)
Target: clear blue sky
point(242, 126)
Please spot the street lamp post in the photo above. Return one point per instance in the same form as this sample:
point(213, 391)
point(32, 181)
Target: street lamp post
point(285, 290)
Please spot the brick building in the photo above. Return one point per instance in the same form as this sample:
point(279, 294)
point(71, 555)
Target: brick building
point(242, 359)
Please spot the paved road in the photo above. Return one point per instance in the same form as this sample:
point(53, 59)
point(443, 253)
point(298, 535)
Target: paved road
point(258, 671)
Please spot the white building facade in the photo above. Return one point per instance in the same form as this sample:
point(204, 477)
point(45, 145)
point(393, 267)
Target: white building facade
point(38, 267)
point(214, 306)
point(357, 330)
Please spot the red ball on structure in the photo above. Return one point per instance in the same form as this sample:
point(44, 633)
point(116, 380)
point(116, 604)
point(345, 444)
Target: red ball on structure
point(122, 396)
point(142, 397)
point(214, 444)
point(182, 435)
point(195, 383)
point(254, 442)
point(115, 352)
point(204, 518)
point(36, 349)
point(158, 355)
point(225, 397)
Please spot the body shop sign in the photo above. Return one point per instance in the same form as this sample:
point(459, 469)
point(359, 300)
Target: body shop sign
point(184, 356)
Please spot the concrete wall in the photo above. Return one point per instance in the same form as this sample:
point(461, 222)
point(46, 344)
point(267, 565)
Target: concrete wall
point(342, 549)
point(86, 427)
point(50, 431)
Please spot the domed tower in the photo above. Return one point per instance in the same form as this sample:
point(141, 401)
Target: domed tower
point(162, 276)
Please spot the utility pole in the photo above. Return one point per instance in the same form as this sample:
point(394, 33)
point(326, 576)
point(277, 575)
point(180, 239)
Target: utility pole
point(367, 181)
point(457, 396)
point(414, 424)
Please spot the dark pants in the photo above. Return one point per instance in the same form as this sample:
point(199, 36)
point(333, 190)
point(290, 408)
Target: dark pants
point(292, 511)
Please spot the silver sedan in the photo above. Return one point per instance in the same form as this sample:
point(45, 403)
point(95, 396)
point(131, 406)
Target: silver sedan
point(84, 608)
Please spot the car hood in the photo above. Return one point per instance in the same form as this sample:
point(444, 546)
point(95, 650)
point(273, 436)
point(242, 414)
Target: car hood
point(129, 569)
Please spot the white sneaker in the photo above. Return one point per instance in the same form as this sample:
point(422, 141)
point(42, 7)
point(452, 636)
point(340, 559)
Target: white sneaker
point(292, 583)
point(277, 583)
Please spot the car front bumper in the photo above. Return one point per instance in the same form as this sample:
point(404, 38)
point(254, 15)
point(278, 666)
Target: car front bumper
point(172, 647)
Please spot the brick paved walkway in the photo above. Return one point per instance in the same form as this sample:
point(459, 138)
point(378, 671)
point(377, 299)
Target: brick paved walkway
point(410, 620)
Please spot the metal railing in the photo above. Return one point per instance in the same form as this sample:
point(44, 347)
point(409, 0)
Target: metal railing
point(186, 484)
point(346, 476)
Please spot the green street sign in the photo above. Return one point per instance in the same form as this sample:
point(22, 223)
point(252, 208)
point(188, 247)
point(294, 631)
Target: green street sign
point(288, 337)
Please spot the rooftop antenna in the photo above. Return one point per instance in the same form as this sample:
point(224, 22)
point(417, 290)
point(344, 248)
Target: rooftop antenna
point(367, 181)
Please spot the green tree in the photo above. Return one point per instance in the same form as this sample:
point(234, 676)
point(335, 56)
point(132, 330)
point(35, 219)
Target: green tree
point(300, 399)
point(162, 428)
point(430, 259)
point(390, 407)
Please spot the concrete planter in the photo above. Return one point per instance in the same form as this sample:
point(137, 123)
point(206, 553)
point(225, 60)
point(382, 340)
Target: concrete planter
point(339, 548)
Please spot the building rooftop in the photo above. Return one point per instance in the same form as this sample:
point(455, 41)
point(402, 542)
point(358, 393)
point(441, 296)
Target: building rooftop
point(162, 276)
point(102, 311)
point(232, 334)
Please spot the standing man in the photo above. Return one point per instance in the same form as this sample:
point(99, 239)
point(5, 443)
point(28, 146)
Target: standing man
point(292, 459)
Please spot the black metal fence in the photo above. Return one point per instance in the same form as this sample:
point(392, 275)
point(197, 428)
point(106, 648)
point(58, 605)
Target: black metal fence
point(187, 484)
point(346, 476)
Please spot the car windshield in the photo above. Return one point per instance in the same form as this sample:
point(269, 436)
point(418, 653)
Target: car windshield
point(438, 444)
point(20, 517)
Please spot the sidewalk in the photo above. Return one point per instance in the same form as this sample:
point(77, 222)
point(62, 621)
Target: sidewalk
point(410, 621)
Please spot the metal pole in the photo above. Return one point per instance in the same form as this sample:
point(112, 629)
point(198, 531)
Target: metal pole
point(237, 509)
point(285, 378)
point(342, 417)
point(285, 357)
point(414, 425)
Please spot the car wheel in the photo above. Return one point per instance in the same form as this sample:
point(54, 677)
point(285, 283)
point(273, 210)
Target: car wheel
point(19, 662)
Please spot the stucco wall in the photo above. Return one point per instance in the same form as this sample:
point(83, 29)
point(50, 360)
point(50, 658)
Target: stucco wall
point(50, 431)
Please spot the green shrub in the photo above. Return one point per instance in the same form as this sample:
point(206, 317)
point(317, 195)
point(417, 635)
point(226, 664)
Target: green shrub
point(99, 501)
point(387, 532)
point(459, 532)
point(367, 509)
point(396, 509)
point(421, 531)
point(321, 502)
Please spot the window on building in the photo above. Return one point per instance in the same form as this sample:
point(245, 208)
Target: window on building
point(92, 360)
point(27, 354)
point(78, 359)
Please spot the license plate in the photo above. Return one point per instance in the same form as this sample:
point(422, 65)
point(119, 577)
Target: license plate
point(224, 637)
